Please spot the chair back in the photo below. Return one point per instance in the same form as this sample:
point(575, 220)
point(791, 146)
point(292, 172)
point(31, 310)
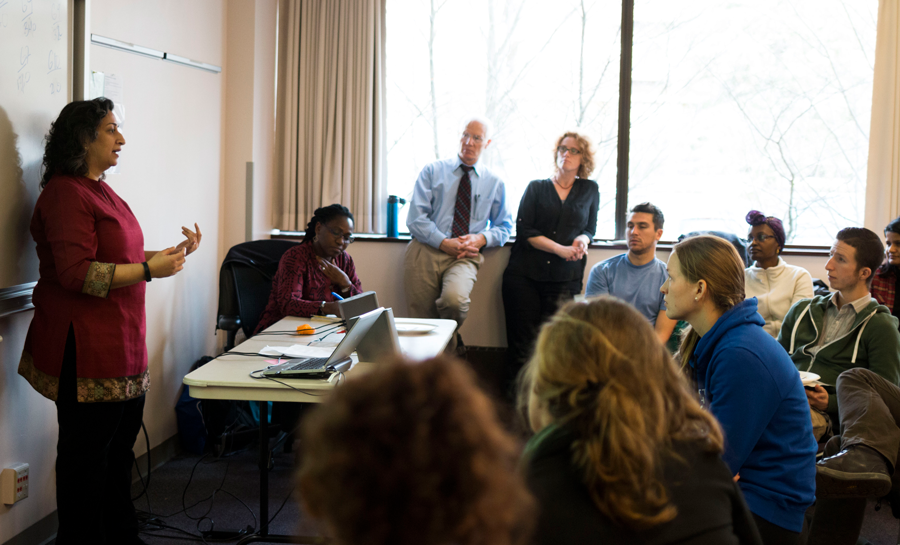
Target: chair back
point(245, 282)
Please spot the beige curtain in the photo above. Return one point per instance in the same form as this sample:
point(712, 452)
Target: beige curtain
point(330, 111)
point(883, 177)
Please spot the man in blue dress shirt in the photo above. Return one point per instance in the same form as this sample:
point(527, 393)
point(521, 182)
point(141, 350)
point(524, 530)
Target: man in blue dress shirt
point(458, 207)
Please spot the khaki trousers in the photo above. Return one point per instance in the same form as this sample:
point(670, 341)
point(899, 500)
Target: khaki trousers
point(438, 285)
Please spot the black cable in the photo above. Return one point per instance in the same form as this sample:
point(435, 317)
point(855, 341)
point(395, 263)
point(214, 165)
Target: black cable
point(281, 507)
point(149, 466)
point(307, 392)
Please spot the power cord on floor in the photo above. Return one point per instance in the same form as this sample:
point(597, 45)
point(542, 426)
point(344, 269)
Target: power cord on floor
point(148, 522)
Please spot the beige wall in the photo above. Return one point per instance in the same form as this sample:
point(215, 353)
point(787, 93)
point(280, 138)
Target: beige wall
point(171, 175)
point(379, 265)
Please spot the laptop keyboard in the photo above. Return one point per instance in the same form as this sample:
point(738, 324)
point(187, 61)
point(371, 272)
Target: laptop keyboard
point(311, 363)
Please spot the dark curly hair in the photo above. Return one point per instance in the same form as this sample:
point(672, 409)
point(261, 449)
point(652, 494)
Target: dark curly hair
point(324, 215)
point(413, 454)
point(76, 127)
point(755, 217)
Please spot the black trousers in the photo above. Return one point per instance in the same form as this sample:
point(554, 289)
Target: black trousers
point(94, 457)
point(528, 304)
point(772, 534)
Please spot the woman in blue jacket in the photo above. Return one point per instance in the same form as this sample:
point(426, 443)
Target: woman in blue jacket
point(748, 383)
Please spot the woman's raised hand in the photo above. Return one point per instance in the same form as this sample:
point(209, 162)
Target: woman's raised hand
point(166, 262)
point(336, 275)
point(193, 240)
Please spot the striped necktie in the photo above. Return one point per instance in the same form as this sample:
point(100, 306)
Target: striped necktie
point(462, 213)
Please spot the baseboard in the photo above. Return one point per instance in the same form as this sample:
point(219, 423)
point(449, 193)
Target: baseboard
point(44, 530)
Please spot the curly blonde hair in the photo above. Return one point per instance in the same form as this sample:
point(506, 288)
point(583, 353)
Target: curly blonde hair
point(599, 369)
point(587, 153)
point(413, 453)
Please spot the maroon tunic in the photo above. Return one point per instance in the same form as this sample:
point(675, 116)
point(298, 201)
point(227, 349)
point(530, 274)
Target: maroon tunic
point(300, 286)
point(82, 230)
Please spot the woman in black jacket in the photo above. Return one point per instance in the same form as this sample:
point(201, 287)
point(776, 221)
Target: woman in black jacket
point(556, 222)
point(622, 452)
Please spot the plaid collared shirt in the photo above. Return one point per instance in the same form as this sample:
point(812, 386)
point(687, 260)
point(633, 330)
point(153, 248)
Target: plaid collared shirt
point(884, 286)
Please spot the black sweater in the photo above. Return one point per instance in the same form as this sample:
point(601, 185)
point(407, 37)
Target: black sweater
point(711, 509)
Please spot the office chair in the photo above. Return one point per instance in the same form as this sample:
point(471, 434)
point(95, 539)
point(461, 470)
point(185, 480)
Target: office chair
point(245, 282)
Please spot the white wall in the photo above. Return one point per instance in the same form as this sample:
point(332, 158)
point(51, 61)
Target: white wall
point(380, 268)
point(171, 176)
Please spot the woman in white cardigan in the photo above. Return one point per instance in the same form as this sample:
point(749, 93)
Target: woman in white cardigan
point(774, 283)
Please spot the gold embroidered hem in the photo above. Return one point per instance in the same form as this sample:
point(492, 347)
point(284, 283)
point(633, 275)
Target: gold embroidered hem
point(44, 384)
point(99, 278)
point(89, 390)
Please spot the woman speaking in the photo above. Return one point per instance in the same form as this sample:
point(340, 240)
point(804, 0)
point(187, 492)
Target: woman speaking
point(86, 347)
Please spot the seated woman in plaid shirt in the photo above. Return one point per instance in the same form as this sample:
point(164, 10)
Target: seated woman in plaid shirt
point(309, 273)
point(884, 282)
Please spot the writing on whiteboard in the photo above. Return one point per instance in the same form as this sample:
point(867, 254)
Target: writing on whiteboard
point(53, 63)
point(28, 25)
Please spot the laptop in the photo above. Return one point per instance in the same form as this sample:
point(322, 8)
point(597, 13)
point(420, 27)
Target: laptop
point(352, 307)
point(381, 343)
point(339, 360)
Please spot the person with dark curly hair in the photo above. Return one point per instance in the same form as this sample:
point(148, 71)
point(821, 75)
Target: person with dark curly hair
point(623, 453)
point(86, 347)
point(413, 454)
point(556, 223)
point(886, 281)
point(309, 273)
point(775, 284)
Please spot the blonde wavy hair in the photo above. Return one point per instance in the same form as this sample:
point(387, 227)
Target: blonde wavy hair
point(716, 261)
point(599, 369)
point(587, 153)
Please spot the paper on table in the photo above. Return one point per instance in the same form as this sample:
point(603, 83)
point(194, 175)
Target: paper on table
point(297, 351)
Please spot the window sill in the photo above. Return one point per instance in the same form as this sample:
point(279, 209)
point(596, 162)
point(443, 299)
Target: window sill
point(815, 251)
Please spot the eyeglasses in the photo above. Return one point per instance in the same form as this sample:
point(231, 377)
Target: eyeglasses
point(474, 137)
point(348, 239)
point(572, 151)
point(760, 237)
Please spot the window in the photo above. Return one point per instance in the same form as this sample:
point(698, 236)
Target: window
point(734, 105)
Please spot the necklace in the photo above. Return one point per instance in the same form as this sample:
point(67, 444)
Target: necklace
point(556, 181)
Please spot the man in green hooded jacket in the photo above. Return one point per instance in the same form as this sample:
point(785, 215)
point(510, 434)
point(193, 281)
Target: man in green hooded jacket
point(846, 329)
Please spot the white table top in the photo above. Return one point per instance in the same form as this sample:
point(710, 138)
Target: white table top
point(228, 377)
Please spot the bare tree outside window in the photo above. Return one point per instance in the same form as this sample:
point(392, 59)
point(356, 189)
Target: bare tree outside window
point(535, 68)
point(753, 104)
point(735, 105)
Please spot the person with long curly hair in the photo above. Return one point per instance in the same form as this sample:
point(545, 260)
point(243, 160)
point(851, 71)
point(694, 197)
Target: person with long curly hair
point(747, 381)
point(309, 273)
point(556, 222)
point(622, 453)
point(775, 284)
point(413, 454)
point(86, 347)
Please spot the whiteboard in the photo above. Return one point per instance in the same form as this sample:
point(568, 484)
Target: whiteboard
point(35, 84)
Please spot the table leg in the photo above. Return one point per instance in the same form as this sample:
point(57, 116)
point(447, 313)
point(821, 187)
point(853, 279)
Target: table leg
point(263, 468)
point(263, 535)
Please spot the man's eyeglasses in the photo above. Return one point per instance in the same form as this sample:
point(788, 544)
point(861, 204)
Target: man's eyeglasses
point(572, 151)
point(760, 237)
point(474, 137)
point(348, 239)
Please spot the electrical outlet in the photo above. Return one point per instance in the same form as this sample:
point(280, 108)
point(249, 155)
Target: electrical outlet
point(14, 483)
